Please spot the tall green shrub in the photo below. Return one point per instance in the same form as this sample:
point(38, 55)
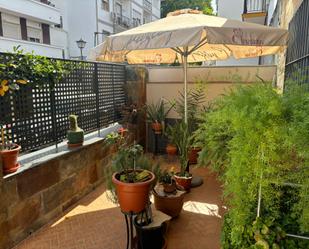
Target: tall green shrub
point(254, 137)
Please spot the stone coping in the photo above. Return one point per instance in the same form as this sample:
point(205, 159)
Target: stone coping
point(33, 159)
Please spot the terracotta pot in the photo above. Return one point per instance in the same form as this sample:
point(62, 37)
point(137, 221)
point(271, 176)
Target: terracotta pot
point(171, 149)
point(72, 146)
point(193, 155)
point(157, 127)
point(170, 205)
point(184, 183)
point(132, 197)
point(9, 159)
point(169, 188)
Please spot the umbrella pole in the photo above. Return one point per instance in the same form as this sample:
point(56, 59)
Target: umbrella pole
point(185, 75)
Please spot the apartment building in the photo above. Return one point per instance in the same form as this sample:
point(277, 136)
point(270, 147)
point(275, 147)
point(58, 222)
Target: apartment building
point(35, 25)
point(93, 20)
point(254, 11)
point(51, 28)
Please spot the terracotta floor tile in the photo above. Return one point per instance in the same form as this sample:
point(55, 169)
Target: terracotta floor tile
point(96, 223)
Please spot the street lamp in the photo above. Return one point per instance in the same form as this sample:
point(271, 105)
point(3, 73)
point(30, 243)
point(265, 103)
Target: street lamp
point(81, 44)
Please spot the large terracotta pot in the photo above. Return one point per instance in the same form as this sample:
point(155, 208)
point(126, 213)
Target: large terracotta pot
point(157, 127)
point(193, 155)
point(9, 159)
point(171, 149)
point(170, 204)
point(183, 182)
point(132, 197)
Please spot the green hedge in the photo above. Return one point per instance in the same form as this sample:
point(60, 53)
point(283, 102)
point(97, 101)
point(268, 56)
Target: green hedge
point(255, 136)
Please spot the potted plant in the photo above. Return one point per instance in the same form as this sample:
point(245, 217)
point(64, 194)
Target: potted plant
point(130, 177)
point(167, 198)
point(180, 134)
point(75, 134)
point(171, 148)
point(195, 106)
point(168, 182)
point(9, 154)
point(157, 113)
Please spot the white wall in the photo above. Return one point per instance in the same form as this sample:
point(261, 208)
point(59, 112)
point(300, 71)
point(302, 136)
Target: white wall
point(7, 44)
point(31, 9)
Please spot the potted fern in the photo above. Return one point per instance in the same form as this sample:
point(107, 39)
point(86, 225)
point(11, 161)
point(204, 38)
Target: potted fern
point(9, 154)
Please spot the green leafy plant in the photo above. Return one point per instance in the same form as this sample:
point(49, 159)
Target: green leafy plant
point(255, 138)
point(157, 112)
point(179, 135)
point(19, 69)
point(195, 105)
point(130, 162)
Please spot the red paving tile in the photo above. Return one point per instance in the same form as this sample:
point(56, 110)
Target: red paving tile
point(96, 223)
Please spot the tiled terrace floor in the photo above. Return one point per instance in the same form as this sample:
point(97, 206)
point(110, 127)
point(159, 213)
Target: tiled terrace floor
point(96, 223)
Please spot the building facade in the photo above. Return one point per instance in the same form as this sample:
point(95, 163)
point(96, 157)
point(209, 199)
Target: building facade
point(34, 25)
point(51, 28)
point(254, 11)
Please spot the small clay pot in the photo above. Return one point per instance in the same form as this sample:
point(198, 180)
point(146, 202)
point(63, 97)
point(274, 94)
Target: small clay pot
point(171, 150)
point(9, 159)
point(183, 182)
point(157, 127)
point(193, 155)
point(169, 187)
point(72, 146)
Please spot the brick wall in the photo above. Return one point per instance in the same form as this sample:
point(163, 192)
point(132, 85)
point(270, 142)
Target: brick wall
point(34, 197)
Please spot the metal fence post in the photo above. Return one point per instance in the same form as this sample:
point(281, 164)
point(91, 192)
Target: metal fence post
point(96, 87)
point(113, 86)
point(54, 117)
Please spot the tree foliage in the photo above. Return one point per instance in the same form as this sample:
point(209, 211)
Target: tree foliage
point(172, 5)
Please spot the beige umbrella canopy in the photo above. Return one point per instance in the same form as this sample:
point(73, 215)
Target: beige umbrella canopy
point(193, 36)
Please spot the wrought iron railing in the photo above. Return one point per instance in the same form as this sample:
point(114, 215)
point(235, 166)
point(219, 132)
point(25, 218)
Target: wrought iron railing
point(254, 6)
point(123, 21)
point(35, 118)
point(297, 57)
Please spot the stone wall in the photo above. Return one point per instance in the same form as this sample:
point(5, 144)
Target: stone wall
point(32, 198)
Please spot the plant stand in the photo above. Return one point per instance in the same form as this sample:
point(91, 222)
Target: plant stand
point(131, 244)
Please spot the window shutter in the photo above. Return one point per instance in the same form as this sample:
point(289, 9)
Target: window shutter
point(23, 28)
point(46, 33)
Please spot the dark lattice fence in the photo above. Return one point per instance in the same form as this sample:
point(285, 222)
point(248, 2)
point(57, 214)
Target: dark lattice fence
point(297, 60)
point(35, 118)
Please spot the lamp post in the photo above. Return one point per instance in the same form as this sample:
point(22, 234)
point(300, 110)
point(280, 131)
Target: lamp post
point(81, 44)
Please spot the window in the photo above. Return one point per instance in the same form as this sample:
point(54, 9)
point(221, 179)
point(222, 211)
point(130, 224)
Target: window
point(105, 5)
point(34, 31)
point(137, 18)
point(11, 26)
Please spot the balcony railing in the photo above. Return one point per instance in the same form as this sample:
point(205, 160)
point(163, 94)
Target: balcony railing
point(148, 5)
point(123, 21)
point(254, 6)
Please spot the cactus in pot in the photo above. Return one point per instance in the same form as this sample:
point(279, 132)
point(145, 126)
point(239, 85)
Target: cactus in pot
point(75, 134)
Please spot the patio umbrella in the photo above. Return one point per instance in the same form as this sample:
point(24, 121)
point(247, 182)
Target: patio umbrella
point(194, 37)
